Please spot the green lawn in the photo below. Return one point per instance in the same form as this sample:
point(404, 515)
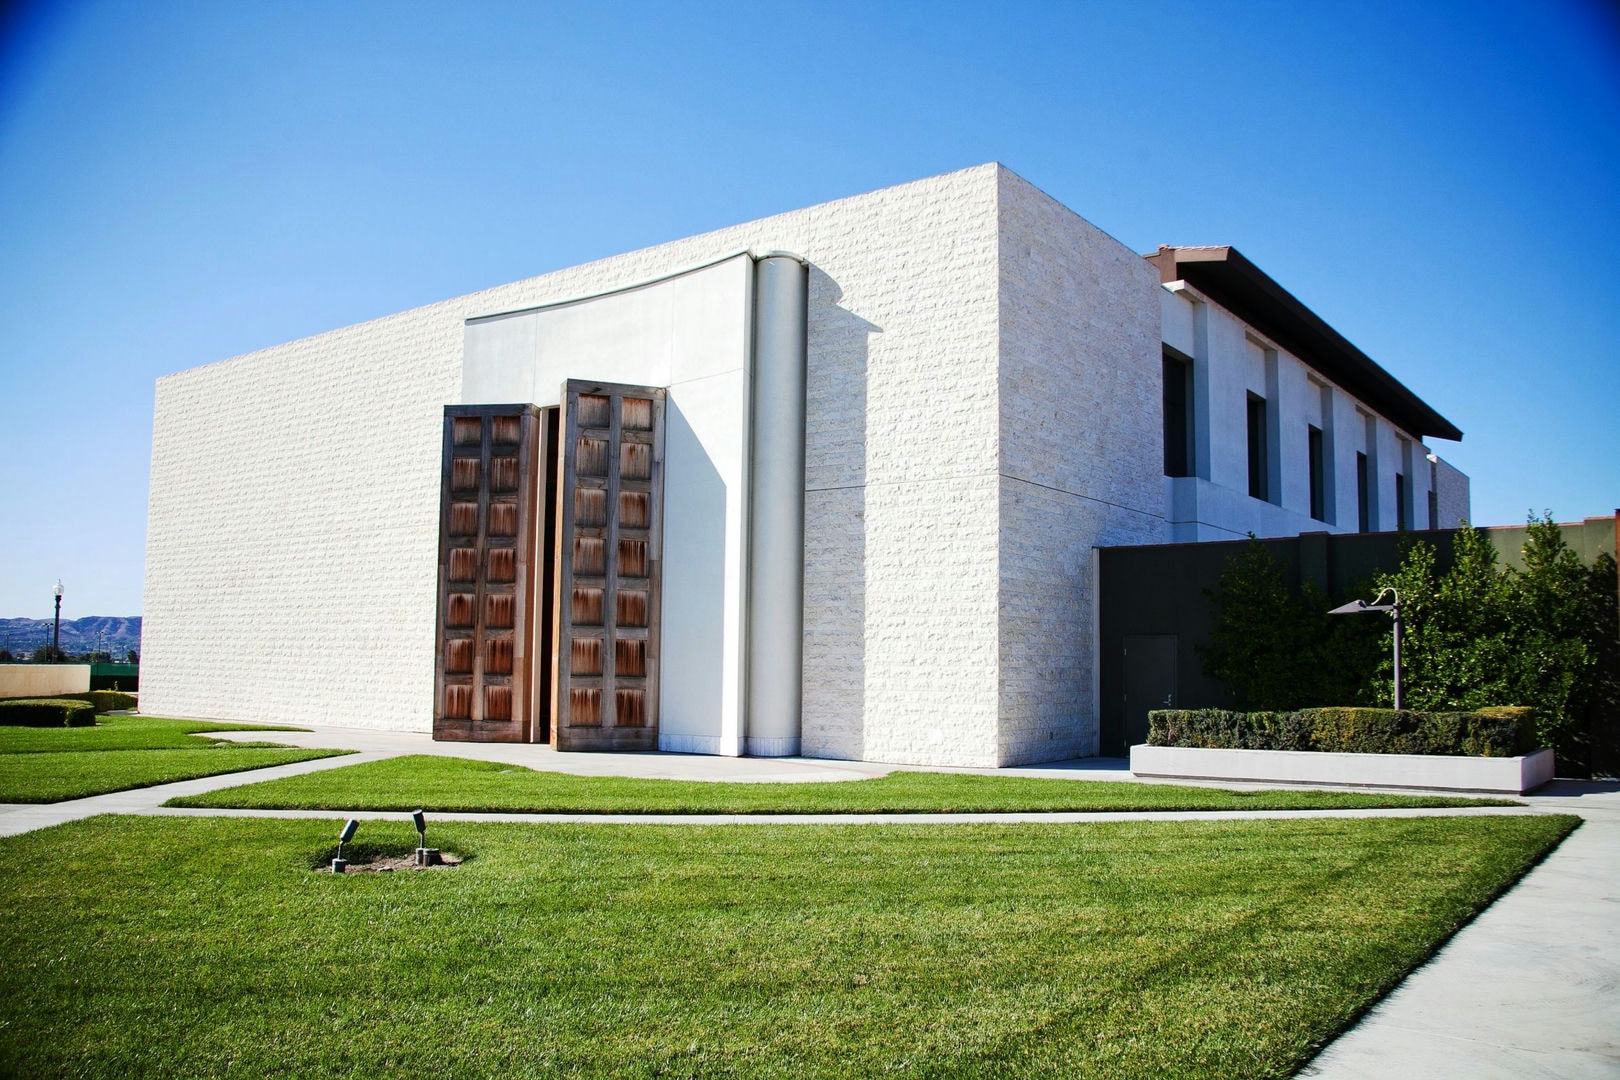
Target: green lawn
point(121, 733)
point(141, 947)
point(122, 752)
point(456, 784)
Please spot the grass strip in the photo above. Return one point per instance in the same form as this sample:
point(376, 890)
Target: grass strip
point(457, 784)
point(44, 778)
point(120, 733)
point(141, 947)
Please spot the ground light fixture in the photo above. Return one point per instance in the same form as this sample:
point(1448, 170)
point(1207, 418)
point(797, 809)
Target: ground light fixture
point(339, 865)
point(1357, 607)
point(425, 856)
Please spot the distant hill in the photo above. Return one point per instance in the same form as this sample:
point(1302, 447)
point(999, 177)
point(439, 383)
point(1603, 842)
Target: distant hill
point(116, 635)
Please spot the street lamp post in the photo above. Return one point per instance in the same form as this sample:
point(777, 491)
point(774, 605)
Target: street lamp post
point(56, 627)
point(1357, 607)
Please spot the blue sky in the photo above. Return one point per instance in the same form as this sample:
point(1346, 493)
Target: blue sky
point(180, 183)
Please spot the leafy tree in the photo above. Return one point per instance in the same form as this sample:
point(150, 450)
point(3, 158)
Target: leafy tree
point(1476, 635)
point(1457, 641)
point(5, 656)
point(1603, 701)
point(1276, 647)
point(1481, 635)
point(1554, 663)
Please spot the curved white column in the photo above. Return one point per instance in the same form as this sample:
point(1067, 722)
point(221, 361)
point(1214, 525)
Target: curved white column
point(776, 509)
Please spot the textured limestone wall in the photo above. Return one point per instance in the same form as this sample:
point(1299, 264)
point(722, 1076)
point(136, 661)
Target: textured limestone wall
point(293, 519)
point(292, 528)
point(1452, 489)
point(1081, 460)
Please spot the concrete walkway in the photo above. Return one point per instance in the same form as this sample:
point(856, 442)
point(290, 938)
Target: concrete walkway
point(1530, 989)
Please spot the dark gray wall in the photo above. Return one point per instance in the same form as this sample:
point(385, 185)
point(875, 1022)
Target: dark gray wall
point(1161, 589)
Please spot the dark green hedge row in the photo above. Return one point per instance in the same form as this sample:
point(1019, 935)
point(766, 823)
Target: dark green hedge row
point(1497, 732)
point(105, 701)
point(46, 712)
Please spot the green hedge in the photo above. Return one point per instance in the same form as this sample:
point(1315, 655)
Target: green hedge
point(105, 701)
point(1496, 732)
point(46, 712)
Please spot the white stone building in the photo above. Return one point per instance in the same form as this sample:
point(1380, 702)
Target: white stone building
point(981, 379)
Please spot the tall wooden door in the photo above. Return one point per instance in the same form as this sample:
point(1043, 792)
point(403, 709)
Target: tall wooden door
point(490, 567)
point(609, 559)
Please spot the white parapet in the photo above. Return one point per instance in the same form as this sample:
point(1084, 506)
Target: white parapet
point(1505, 776)
point(43, 680)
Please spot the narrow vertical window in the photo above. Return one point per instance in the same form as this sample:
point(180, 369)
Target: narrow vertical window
point(1363, 516)
point(1177, 417)
point(1257, 447)
point(1318, 473)
point(1400, 500)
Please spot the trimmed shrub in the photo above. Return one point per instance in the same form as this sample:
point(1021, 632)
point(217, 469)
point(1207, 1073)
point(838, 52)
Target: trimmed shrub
point(102, 701)
point(1518, 726)
point(1223, 729)
point(105, 701)
point(46, 712)
point(1493, 732)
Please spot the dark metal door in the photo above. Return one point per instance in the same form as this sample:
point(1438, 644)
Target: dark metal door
point(1150, 682)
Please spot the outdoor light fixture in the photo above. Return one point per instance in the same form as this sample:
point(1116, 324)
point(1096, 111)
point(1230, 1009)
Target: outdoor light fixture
point(338, 864)
point(1356, 607)
point(56, 627)
point(425, 856)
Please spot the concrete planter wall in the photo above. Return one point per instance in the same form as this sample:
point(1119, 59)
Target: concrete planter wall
point(1506, 776)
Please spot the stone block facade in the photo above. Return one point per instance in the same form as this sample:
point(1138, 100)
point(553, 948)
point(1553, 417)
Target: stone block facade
point(983, 381)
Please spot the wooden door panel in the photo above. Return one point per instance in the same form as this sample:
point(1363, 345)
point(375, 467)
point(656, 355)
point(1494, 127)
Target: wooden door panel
point(609, 535)
point(491, 569)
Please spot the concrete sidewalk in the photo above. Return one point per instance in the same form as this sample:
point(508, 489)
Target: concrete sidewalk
point(1530, 989)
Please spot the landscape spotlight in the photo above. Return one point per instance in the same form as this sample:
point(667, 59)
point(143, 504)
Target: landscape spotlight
point(338, 864)
point(1357, 607)
point(425, 856)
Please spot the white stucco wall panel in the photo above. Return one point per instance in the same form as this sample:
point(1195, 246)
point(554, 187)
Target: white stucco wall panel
point(705, 456)
point(1234, 361)
point(1200, 510)
point(690, 333)
point(1176, 317)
